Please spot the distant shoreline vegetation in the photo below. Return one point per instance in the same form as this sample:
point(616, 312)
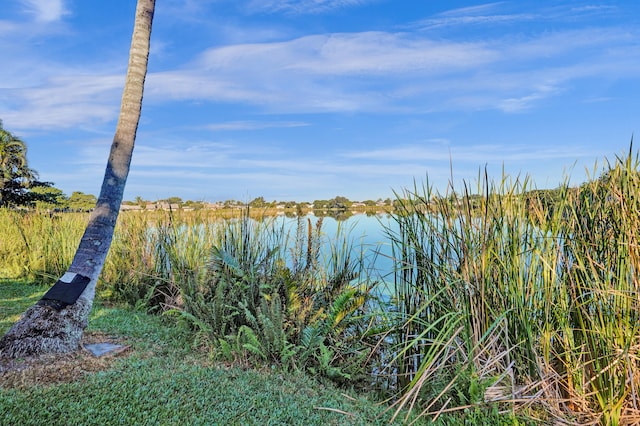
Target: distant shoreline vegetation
point(259, 206)
point(334, 207)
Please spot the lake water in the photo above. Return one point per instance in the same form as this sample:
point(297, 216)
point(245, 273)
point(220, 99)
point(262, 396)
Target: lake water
point(363, 230)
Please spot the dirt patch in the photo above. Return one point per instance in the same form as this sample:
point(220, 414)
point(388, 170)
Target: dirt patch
point(59, 368)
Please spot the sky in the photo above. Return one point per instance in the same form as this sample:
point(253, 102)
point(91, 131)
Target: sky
point(301, 100)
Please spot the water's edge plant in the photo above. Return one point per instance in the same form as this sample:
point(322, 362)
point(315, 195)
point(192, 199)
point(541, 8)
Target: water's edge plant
point(505, 298)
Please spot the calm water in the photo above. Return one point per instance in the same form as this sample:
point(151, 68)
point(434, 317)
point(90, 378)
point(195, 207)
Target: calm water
point(368, 231)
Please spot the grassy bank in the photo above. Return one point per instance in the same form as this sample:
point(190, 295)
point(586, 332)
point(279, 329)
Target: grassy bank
point(160, 380)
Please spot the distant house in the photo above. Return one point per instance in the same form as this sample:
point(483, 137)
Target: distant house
point(161, 205)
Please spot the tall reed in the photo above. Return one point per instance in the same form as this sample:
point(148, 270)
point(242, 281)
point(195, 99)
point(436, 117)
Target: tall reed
point(38, 245)
point(507, 297)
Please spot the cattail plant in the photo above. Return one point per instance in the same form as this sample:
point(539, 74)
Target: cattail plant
point(511, 296)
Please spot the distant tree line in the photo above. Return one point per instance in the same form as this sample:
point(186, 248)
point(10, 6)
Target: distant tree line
point(337, 203)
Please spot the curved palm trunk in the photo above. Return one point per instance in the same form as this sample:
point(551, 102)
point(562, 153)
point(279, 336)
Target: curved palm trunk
point(56, 323)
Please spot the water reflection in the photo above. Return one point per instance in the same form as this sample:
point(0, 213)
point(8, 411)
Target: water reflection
point(366, 231)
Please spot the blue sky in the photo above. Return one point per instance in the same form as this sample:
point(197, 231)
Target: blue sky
point(309, 99)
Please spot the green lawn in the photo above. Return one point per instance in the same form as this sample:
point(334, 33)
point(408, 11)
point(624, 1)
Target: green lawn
point(159, 380)
point(15, 297)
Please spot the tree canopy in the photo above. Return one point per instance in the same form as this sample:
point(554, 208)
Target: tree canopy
point(19, 184)
point(79, 201)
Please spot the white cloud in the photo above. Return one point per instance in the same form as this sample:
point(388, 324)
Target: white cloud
point(382, 71)
point(64, 102)
point(448, 21)
point(484, 14)
point(371, 71)
point(7, 28)
point(442, 150)
point(300, 7)
point(473, 10)
point(595, 8)
point(45, 10)
point(378, 53)
point(354, 72)
point(334, 72)
point(525, 102)
point(255, 125)
point(355, 54)
point(493, 14)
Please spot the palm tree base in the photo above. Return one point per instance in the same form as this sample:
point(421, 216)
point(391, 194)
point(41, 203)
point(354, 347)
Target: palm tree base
point(43, 329)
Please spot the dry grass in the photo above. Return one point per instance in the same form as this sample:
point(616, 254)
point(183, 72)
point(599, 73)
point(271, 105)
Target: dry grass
point(52, 369)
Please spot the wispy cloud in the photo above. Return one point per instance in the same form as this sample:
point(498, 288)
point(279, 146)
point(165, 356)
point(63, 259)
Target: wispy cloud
point(370, 71)
point(382, 71)
point(480, 9)
point(336, 72)
point(300, 75)
point(595, 8)
point(7, 28)
point(380, 53)
point(327, 175)
point(300, 7)
point(490, 15)
point(447, 21)
point(442, 150)
point(45, 10)
point(293, 178)
point(484, 14)
point(64, 102)
point(524, 102)
point(255, 125)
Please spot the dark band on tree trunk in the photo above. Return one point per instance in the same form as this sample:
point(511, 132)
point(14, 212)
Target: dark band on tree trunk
point(65, 291)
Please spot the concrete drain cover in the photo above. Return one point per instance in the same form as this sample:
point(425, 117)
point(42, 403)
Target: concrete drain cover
point(101, 349)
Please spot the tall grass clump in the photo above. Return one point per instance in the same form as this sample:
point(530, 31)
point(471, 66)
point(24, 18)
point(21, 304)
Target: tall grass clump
point(136, 270)
point(506, 297)
point(596, 342)
point(38, 245)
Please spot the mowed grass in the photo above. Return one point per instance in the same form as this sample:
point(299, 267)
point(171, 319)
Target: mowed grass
point(15, 297)
point(160, 380)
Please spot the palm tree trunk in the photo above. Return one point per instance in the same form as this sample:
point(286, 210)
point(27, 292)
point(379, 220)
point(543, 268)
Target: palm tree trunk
point(56, 323)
